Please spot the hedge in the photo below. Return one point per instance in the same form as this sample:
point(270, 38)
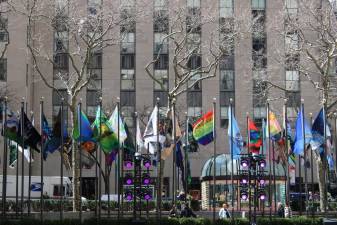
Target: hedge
point(173, 221)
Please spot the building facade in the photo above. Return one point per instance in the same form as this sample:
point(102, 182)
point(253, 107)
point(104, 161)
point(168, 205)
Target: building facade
point(118, 71)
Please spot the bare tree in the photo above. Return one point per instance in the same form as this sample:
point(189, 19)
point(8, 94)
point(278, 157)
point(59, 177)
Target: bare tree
point(310, 37)
point(79, 32)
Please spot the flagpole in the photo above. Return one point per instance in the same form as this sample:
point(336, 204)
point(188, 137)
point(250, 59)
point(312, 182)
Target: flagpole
point(100, 174)
point(214, 157)
point(269, 158)
point(249, 186)
point(285, 115)
point(30, 173)
point(174, 169)
point(299, 159)
point(232, 155)
point(312, 175)
point(159, 167)
point(79, 119)
point(324, 161)
point(274, 174)
point(186, 150)
point(41, 158)
point(305, 162)
point(17, 181)
point(108, 170)
point(62, 159)
point(5, 153)
point(22, 155)
point(119, 165)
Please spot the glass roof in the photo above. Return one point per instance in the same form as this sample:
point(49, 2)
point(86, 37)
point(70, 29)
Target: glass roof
point(224, 167)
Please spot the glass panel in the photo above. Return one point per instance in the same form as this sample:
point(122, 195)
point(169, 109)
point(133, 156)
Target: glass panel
point(162, 76)
point(227, 80)
point(258, 4)
point(292, 80)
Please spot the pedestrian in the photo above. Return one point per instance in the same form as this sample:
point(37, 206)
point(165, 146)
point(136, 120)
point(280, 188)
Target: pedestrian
point(280, 210)
point(173, 212)
point(224, 212)
point(187, 212)
point(287, 211)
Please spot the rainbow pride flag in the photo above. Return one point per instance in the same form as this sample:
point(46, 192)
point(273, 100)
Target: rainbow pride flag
point(203, 129)
point(274, 126)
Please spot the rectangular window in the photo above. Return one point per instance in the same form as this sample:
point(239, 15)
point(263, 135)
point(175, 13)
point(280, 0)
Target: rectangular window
point(128, 43)
point(224, 116)
point(294, 99)
point(162, 62)
point(194, 98)
point(227, 62)
point(291, 42)
point(160, 21)
point(93, 97)
point(61, 61)
point(162, 95)
point(260, 112)
point(226, 8)
point(57, 96)
point(292, 80)
point(193, 43)
point(160, 5)
point(194, 62)
point(93, 6)
point(128, 98)
point(128, 61)
point(193, 3)
point(226, 80)
point(128, 115)
point(194, 112)
point(258, 4)
point(162, 76)
point(291, 6)
point(3, 29)
point(61, 41)
point(127, 79)
point(3, 69)
point(95, 61)
point(160, 44)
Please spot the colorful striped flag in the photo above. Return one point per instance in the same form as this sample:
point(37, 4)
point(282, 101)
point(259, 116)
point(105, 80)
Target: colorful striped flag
point(255, 141)
point(203, 129)
point(274, 127)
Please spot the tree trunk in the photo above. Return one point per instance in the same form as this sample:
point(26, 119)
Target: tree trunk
point(321, 168)
point(75, 165)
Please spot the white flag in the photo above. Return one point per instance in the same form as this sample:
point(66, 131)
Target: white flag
point(26, 153)
point(151, 133)
point(113, 125)
point(139, 138)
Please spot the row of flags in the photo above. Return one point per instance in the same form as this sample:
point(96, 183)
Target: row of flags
point(305, 136)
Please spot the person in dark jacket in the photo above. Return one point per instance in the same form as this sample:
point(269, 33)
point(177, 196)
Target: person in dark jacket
point(187, 212)
point(280, 210)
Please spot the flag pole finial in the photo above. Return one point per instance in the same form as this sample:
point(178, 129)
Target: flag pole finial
point(136, 114)
point(285, 100)
point(100, 98)
point(247, 113)
point(310, 114)
point(118, 99)
point(231, 100)
point(6, 98)
point(31, 113)
point(214, 99)
point(268, 100)
point(302, 100)
point(185, 113)
point(62, 99)
point(41, 98)
point(81, 100)
point(158, 99)
point(335, 114)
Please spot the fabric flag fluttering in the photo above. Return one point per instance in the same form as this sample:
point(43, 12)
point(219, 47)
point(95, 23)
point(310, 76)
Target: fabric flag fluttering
point(274, 127)
point(139, 138)
point(106, 138)
point(299, 136)
point(31, 136)
point(235, 138)
point(113, 125)
point(13, 157)
point(291, 155)
point(255, 141)
point(151, 133)
point(203, 129)
point(318, 131)
point(83, 132)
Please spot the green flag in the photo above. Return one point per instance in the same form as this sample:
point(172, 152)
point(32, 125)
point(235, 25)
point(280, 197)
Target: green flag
point(12, 154)
point(102, 133)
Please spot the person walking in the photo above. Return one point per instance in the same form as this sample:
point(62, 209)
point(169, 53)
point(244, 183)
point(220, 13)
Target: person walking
point(287, 211)
point(280, 210)
point(224, 212)
point(187, 212)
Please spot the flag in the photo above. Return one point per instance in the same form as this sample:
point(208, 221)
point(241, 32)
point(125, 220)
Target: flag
point(299, 136)
point(102, 134)
point(151, 132)
point(169, 145)
point(274, 127)
point(255, 141)
point(11, 127)
point(13, 157)
point(128, 145)
point(318, 131)
point(189, 142)
point(235, 138)
point(85, 133)
point(180, 161)
point(264, 136)
point(31, 136)
point(52, 138)
point(113, 125)
point(203, 129)
point(139, 138)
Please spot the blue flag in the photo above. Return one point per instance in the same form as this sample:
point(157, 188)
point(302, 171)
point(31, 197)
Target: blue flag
point(235, 138)
point(299, 136)
point(82, 131)
point(318, 131)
